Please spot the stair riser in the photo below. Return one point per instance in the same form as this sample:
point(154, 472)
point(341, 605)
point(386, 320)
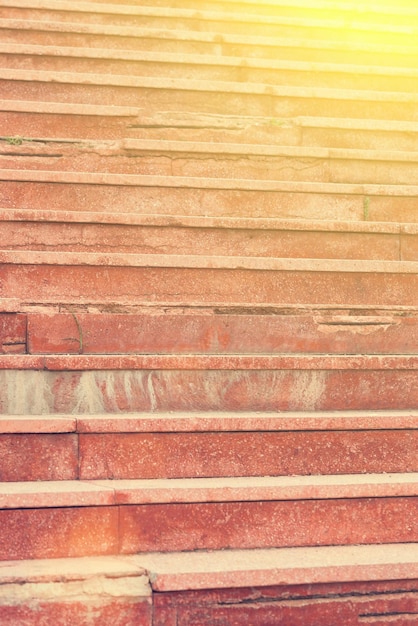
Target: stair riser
point(31, 392)
point(214, 334)
point(29, 124)
point(13, 333)
point(207, 241)
point(210, 72)
point(152, 99)
point(136, 285)
point(34, 457)
point(214, 46)
point(256, 167)
point(129, 529)
point(348, 603)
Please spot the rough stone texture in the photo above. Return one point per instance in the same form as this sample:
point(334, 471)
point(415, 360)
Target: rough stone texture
point(108, 333)
point(12, 333)
point(38, 457)
point(92, 392)
point(55, 532)
point(185, 455)
point(267, 524)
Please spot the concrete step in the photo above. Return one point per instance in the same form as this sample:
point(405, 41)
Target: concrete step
point(72, 277)
point(134, 194)
point(221, 97)
point(344, 46)
point(118, 384)
point(177, 586)
point(198, 445)
point(222, 22)
point(207, 67)
point(92, 518)
point(207, 159)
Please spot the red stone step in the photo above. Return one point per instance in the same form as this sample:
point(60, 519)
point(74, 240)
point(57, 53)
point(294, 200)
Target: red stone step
point(72, 277)
point(127, 517)
point(134, 194)
point(151, 93)
point(210, 331)
point(33, 119)
point(118, 384)
point(206, 67)
point(193, 445)
point(162, 234)
point(401, 53)
point(88, 591)
point(243, 585)
point(206, 159)
point(223, 21)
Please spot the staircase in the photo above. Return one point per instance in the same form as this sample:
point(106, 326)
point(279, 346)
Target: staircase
point(208, 313)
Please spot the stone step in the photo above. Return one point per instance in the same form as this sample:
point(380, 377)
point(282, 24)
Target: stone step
point(42, 329)
point(134, 194)
point(344, 46)
point(199, 588)
point(221, 97)
point(212, 160)
point(119, 383)
point(51, 120)
point(181, 280)
point(207, 67)
point(92, 518)
point(222, 236)
point(222, 22)
point(198, 445)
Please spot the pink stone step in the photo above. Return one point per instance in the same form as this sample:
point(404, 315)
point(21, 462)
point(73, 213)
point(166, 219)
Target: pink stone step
point(400, 53)
point(206, 159)
point(300, 585)
point(206, 67)
point(153, 93)
point(156, 234)
point(207, 445)
point(13, 333)
point(109, 590)
point(276, 24)
point(71, 277)
point(127, 517)
point(118, 384)
point(134, 194)
point(209, 331)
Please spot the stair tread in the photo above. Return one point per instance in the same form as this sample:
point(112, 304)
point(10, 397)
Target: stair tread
point(67, 493)
point(177, 571)
point(244, 421)
point(192, 182)
point(150, 82)
point(209, 362)
point(213, 37)
point(41, 257)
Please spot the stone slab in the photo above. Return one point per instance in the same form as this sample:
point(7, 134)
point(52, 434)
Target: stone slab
point(121, 391)
point(188, 455)
point(107, 333)
point(13, 330)
point(38, 457)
